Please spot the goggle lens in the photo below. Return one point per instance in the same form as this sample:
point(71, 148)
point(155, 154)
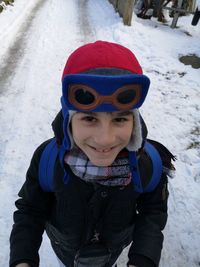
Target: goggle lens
point(126, 97)
point(84, 97)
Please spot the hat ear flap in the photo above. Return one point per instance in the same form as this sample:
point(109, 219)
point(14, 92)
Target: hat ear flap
point(144, 127)
point(57, 124)
point(69, 142)
point(136, 139)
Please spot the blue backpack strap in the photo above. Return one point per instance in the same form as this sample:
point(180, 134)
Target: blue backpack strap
point(157, 166)
point(46, 166)
point(135, 172)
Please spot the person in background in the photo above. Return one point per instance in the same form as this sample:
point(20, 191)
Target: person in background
point(95, 209)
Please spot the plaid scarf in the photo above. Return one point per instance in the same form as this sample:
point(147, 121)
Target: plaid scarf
point(117, 174)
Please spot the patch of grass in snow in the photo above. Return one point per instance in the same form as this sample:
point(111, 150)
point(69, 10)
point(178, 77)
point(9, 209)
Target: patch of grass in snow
point(196, 131)
point(3, 4)
point(169, 75)
point(194, 142)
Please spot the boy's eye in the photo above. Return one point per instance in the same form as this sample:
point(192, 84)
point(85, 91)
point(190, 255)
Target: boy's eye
point(121, 119)
point(89, 118)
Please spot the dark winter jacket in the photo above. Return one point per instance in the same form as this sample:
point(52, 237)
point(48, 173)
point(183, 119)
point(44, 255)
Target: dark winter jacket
point(88, 223)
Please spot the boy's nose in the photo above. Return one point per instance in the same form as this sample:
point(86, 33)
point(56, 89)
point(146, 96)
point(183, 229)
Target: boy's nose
point(105, 137)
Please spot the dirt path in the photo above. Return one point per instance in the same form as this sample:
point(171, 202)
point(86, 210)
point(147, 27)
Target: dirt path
point(86, 30)
point(16, 50)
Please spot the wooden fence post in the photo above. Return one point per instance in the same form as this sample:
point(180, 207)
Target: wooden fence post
point(125, 9)
point(114, 3)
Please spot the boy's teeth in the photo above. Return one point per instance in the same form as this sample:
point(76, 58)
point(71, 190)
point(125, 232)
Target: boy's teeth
point(103, 150)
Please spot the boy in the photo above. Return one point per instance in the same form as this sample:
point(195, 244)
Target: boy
point(96, 207)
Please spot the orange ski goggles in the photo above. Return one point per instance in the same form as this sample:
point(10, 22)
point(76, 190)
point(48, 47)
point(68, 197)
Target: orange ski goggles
point(98, 93)
point(86, 98)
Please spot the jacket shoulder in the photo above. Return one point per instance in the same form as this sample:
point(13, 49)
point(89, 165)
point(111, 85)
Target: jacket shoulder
point(38, 151)
point(145, 163)
point(145, 168)
point(166, 156)
point(32, 179)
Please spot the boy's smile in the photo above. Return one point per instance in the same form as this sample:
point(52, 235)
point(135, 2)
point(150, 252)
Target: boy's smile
point(103, 152)
point(102, 135)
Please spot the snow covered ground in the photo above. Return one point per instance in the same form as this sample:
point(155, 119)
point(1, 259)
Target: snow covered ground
point(36, 37)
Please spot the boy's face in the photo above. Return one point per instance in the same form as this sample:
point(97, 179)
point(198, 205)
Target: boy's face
point(102, 135)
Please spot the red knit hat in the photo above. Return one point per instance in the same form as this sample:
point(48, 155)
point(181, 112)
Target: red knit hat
point(105, 67)
point(101, 54)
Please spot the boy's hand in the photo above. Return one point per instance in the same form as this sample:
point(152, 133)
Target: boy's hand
point(23, 265)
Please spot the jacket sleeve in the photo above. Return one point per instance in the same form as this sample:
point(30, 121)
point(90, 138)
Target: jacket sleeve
point(151, 219)
point(33, 209)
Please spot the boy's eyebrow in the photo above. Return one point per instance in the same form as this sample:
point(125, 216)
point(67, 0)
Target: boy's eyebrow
point(89, 113)
point(122, 113)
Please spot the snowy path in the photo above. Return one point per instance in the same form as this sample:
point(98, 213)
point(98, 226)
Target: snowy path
point(29, 99)
point(16, 49)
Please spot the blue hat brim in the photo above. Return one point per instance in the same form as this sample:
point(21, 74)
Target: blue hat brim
point(104, 85)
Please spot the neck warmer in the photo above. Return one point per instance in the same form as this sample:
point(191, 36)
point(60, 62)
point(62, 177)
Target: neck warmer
point(117, 174)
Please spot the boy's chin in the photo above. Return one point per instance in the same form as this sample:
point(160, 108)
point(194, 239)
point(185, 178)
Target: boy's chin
point(101, 162)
